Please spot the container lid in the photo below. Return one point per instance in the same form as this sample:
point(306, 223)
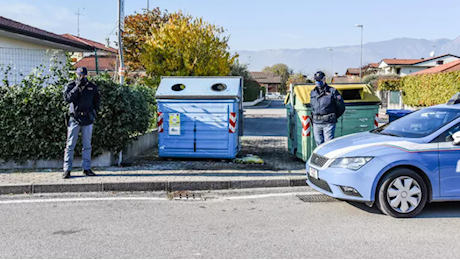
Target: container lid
point(200, 88)
point(351, 93)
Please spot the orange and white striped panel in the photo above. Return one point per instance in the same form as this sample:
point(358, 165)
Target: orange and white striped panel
point(306, 126)
point(232, 123)
point(376, 120)
point(160, 122)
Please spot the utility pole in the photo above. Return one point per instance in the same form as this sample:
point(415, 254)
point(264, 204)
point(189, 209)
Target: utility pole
point(121, 28)
point(148, 5)
point(78, 21)
point(361, 66)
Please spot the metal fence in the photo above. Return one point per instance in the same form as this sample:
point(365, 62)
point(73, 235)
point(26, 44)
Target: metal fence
point(16, 64)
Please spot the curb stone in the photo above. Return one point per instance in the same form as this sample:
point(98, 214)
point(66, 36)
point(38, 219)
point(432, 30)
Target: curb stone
point(31, 188)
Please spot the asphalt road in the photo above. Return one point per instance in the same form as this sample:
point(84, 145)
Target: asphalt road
point(274, 227)
point(269, 121)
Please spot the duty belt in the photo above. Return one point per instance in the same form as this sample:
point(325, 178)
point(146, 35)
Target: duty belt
point(80, 113)
point(323, 117)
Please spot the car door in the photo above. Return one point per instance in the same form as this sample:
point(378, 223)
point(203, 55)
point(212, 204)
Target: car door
point(449, 163)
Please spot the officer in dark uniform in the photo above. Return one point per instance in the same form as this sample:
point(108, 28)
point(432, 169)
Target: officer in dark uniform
point(327, 106)
point(84, 100)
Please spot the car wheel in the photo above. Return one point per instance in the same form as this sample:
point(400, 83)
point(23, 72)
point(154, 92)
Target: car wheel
point(402, 194)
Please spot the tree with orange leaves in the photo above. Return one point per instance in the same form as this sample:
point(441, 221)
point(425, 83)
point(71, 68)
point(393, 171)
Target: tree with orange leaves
point(186, 46)
point(137, 30)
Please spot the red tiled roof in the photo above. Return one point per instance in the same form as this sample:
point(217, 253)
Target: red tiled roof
point(265, 77)
point(103, 63)
point(413, 61)
point(402, 61)
point(374, 65)
point(24, 29)
point(451, 66)
point(352, 71)
point(91, 43)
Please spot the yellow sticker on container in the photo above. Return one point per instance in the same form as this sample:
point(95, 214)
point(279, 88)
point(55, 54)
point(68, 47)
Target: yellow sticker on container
point(174, 124)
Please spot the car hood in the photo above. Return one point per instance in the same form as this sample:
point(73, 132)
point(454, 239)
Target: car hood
point(365, 144)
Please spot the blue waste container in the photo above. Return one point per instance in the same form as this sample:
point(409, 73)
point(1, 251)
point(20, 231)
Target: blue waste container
point(200, 117)
point(397, 113)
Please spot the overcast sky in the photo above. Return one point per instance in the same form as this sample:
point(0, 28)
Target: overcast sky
point(259, 24)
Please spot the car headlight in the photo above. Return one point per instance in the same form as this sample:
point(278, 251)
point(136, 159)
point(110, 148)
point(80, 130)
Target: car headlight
point(352, 163)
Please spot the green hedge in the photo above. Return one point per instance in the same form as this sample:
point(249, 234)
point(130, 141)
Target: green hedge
point(389, 84)
point(251, 90)
point(430, 89)
point(32, 119)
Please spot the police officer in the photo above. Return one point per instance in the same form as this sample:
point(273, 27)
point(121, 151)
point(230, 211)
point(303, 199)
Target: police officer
point(83, 98)
point(327, 106)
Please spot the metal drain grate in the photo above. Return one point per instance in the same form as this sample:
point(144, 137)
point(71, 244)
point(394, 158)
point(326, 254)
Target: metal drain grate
point(186, 195)
point(316, 198)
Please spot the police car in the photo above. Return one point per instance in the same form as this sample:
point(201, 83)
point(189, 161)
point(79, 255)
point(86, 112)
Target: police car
point(400, 166)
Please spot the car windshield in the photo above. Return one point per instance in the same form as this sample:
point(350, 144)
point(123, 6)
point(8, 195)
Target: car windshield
point(420, 123)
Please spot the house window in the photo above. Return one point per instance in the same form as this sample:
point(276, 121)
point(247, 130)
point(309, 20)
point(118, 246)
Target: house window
point(398, 71)
point(439, 62)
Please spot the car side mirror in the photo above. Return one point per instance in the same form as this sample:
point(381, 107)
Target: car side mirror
point(456, 138)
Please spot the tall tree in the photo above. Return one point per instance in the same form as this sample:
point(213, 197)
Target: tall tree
point(281, 70)
point(137, 30)
point(239, 69)
point(297, 78)
point(184, 46)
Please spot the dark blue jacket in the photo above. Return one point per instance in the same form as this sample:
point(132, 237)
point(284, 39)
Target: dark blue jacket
point(84, 101)
point(327, 105)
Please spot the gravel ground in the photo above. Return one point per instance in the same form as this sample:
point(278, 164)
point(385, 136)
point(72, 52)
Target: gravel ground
point(273, 150)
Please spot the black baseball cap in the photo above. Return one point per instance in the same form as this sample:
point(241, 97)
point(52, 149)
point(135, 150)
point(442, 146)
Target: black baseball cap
point(319, 75)
point(82, 71)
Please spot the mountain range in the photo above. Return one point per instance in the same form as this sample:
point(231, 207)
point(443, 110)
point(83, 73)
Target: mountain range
point(310, 60)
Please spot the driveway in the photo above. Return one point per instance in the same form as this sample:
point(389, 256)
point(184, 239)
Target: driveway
point(269, 121)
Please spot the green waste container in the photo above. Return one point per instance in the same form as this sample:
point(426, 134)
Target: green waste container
point(362, 108)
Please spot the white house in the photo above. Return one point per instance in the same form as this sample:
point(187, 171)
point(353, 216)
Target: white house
point(405, 67)
point(24, 48)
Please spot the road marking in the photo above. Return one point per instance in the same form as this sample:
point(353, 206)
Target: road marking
point(260, 196)
point(80, 200)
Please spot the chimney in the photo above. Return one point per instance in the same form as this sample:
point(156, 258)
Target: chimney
point(336, 74)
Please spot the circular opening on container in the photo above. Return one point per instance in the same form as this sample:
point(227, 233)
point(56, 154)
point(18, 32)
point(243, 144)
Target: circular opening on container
point(219, 87)
point(178, 87)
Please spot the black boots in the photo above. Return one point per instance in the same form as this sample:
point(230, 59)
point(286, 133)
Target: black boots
point(89, 173)
point(66, 175)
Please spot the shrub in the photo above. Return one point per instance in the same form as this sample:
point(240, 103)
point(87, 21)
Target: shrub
point(389, 84)
point(251, 90)
point(32, 122)
point(430, 89)
point(373, 79)
point(369, 78)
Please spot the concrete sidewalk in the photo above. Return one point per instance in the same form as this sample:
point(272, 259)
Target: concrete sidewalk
point(131, 179)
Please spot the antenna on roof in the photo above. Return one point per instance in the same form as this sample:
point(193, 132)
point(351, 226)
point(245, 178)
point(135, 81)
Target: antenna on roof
point(78, 21)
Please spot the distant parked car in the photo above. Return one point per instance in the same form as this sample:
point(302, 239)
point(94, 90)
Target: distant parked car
point(400, 166)
point(273, 95)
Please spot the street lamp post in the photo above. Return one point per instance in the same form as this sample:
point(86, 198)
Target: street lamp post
point(332, 73)
point(121, 28)
point(361, 64)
